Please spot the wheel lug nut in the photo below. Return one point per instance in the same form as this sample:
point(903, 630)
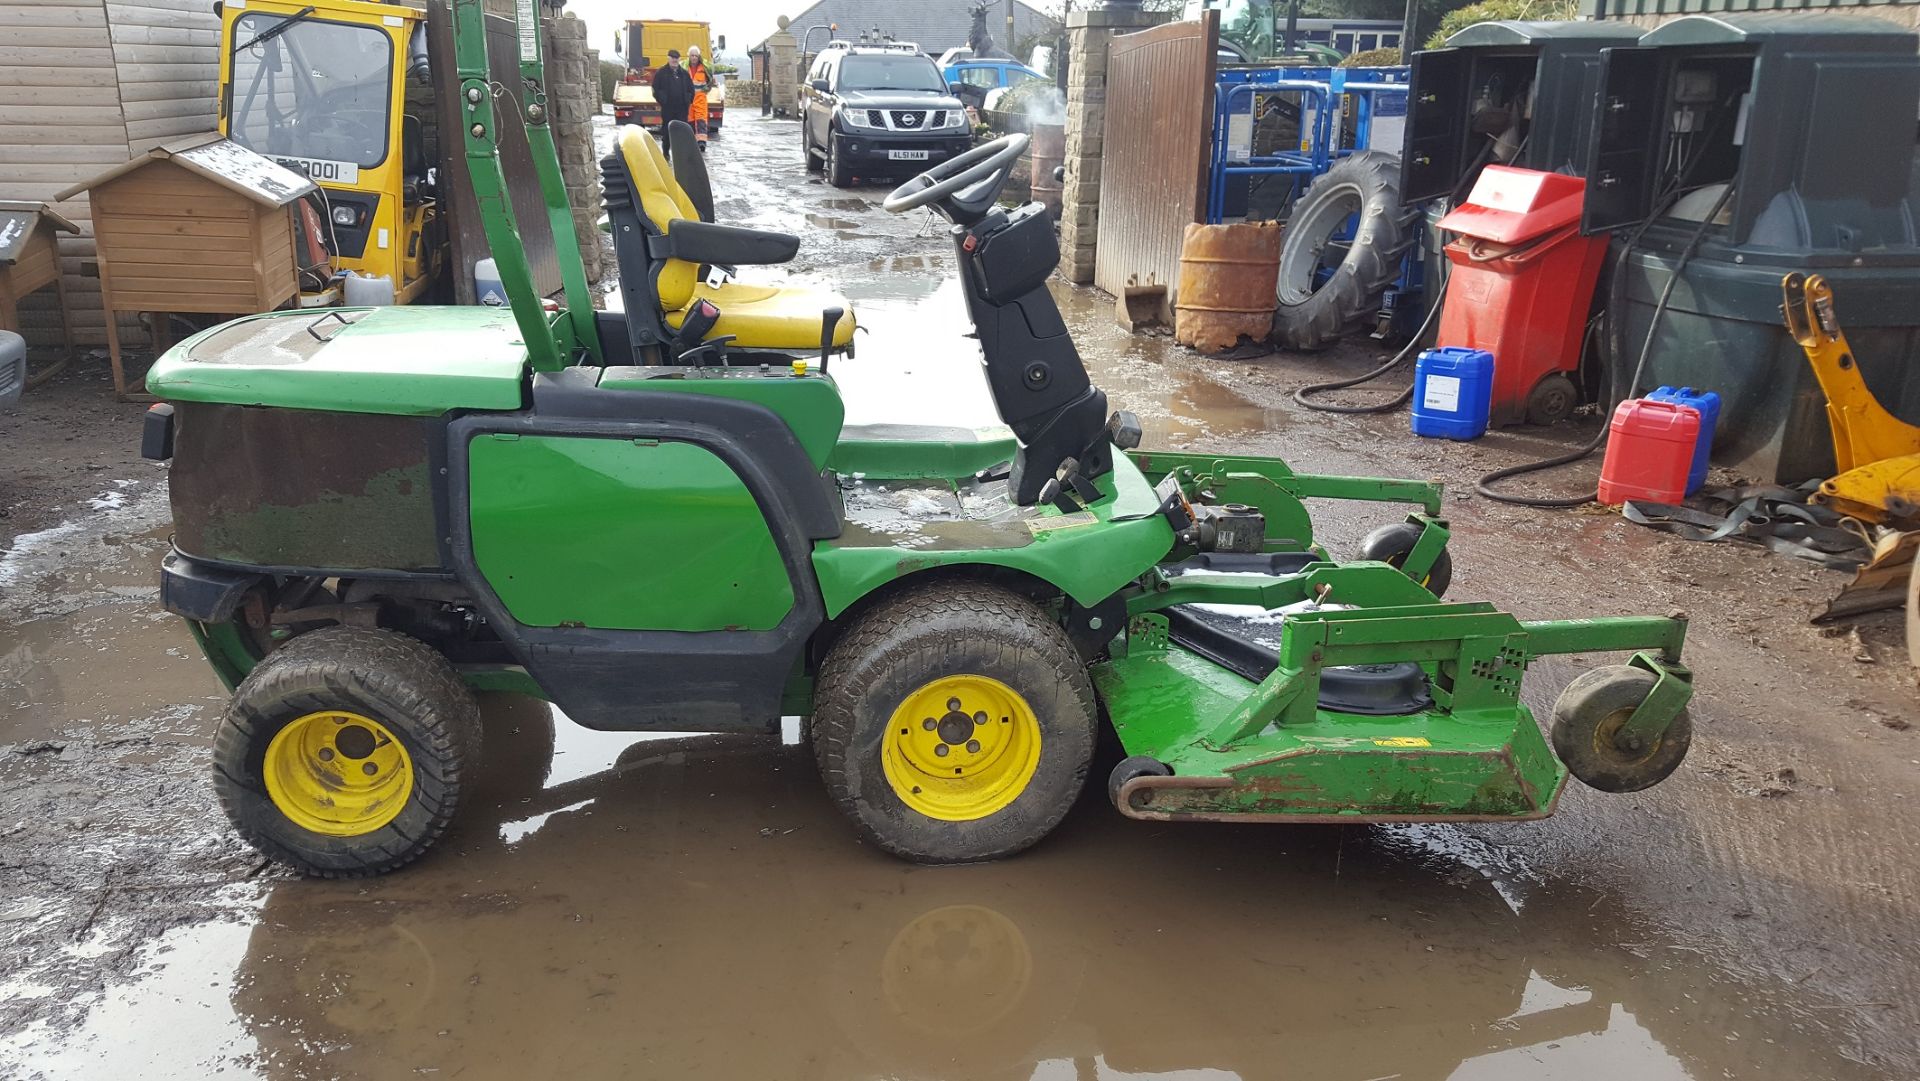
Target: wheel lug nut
point(940, 751)
point(326, 754)
point(369, 769)
point(973, 746)
point(953, 704)
point(929, 724)
point(980, 717)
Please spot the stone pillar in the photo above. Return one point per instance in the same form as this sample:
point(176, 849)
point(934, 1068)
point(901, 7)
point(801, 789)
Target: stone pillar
point(782, 73)
point(1088, 33)
point(573, 95)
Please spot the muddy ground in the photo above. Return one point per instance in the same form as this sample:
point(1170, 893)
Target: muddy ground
point(686, 907)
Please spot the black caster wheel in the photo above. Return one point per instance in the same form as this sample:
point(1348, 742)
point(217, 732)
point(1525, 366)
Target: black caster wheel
point(1391, 544)
point(1553, 399)
point(1139, 765)
point(1586, 731)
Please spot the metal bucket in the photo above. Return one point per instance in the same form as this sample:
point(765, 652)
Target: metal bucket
point(1228, 275)
point(1048, 152)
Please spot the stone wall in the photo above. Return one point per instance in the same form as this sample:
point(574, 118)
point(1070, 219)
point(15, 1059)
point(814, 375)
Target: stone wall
point(573, 95)
point(1089, 32)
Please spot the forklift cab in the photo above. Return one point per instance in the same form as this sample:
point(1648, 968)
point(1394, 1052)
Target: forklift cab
point(1505, 93)
point(339, 90)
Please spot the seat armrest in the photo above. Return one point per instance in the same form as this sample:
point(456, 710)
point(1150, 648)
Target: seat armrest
point(731, 245)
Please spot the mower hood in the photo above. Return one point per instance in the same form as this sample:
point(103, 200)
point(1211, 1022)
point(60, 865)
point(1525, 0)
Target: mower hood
point(420, 361)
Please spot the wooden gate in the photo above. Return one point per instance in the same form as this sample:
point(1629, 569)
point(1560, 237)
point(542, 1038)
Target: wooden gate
point(1153, 160)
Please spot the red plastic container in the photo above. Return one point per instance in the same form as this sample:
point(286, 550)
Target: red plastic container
point(1522, 285)
point(1649, 452)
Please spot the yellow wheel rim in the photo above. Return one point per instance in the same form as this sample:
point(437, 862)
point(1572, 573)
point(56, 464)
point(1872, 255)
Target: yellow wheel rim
point(337, 773)
point(961, 748)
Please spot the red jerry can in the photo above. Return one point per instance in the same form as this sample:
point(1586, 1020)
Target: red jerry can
point(1520, 287)
point(1649, 452)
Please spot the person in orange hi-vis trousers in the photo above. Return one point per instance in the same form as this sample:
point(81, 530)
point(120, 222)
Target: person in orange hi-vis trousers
point(702, 82)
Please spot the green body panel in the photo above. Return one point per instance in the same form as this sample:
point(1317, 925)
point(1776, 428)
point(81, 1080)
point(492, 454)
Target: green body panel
point(1089, 555)
point(1431, 764)
point(622, 534)
point(1242, 748)
point(944, 453)
point(416, 361)
point(810, 403)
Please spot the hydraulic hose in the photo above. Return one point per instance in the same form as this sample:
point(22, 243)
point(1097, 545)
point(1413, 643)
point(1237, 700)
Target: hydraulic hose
point(1395, 402)
point(1616, 327)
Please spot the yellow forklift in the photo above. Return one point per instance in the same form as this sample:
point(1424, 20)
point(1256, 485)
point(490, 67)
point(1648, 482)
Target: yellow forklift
point(341, 90)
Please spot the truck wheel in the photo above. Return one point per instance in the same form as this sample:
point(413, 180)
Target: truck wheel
point(344, 753)
point(1391, 544)
point(954, 722)
point(836, 166)
point(806, 148)
point(1587, 717)
point(1309, 315)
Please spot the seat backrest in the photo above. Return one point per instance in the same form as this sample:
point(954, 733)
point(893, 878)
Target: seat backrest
point(661, 204)
point(690, 167)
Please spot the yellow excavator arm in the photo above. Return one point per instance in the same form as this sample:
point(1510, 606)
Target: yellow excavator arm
point(1876, 453)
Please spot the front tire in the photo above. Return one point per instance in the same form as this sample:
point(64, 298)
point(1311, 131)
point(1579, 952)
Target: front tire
point(837, 174)
point(1392, 544)
point(345, 752)
point(954, 723)
point(1587, 718)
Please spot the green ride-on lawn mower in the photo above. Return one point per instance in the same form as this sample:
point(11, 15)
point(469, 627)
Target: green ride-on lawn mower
point(658, 520)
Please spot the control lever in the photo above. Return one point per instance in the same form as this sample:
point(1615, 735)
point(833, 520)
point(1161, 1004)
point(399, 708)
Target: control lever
point(714, 351)
point(829, 322)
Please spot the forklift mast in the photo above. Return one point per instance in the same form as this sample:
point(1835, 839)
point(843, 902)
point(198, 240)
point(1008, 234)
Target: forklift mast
point(553, 339)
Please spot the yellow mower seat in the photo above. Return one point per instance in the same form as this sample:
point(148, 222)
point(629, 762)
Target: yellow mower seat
point(783, 317)
point(770, 316)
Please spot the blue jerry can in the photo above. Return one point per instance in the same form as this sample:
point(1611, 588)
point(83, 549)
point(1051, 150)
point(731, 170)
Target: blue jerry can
point(1452, 392)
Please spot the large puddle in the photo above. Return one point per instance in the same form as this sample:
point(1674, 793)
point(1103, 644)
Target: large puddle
point(676, 907)
point(699, 909)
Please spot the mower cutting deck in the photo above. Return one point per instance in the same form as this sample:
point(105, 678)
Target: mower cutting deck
point(695, 541)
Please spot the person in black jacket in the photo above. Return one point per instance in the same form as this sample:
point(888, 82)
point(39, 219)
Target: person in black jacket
point(673, 91)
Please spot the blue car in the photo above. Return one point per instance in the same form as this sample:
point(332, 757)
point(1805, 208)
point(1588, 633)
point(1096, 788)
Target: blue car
point(972, 80)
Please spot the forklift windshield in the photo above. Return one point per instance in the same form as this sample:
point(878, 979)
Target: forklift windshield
point(316, 95)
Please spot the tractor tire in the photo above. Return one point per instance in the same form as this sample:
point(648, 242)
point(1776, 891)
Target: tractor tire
point(344, 754)
point(1306, 318)
point(836, 166)
point(1391, 544)
point(1588, 714)
point(814, 164)
point(961, 675)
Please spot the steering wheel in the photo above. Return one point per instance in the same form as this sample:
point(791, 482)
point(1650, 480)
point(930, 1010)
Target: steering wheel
point(989, 161)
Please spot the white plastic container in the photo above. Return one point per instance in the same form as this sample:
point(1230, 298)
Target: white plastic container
point(367, 291)
point(487, 286)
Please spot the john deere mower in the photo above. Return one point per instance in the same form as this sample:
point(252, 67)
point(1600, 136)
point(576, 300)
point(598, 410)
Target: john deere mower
point(658, 519)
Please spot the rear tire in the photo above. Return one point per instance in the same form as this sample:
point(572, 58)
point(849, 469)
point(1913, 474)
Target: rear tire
point(836, 166)
point(1306, 318)
point(806, 148)
point(909, 659)
point(345, 752)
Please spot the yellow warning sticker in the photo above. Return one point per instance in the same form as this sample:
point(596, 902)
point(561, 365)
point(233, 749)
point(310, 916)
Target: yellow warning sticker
point(1403, 741)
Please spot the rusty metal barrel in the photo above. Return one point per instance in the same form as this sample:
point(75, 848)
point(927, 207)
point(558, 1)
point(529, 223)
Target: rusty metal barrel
point(1227, 279)
point(1048, 152)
